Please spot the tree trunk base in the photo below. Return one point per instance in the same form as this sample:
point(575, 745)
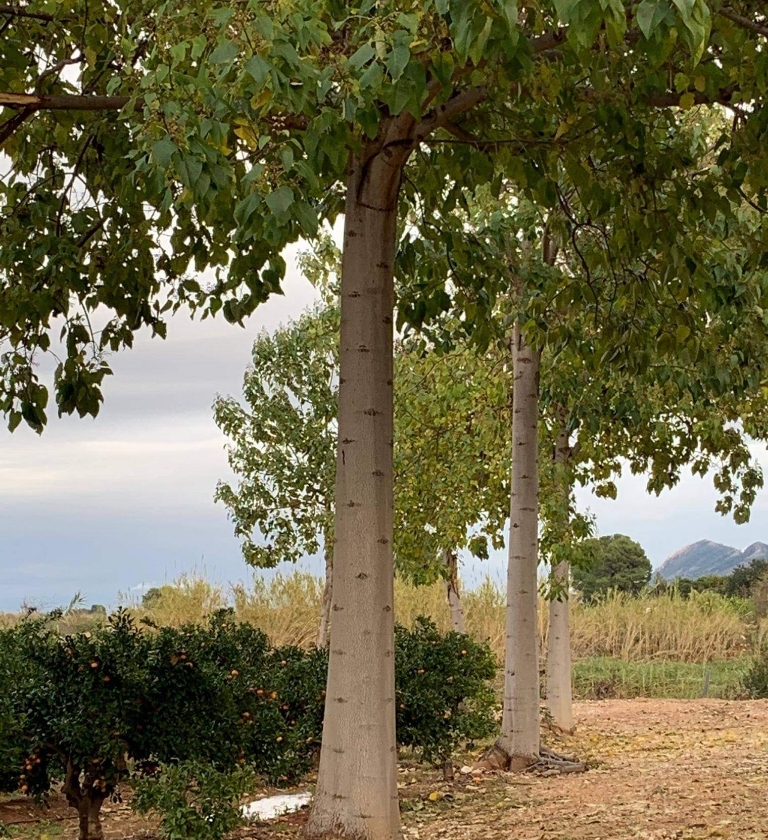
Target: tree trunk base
point(549, 763)
point(494, 760)
point(556, 729)
point(548, 722)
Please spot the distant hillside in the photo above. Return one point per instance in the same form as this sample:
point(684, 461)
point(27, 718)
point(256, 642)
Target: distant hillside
point(709, 558)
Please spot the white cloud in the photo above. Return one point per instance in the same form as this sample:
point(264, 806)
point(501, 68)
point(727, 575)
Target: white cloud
point(98, 504)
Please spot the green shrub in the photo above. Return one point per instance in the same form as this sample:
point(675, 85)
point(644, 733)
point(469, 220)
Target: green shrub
point(194, 800)
point(602, 678)
point(443, 688)
point(755, 681)
point(240, 700)
point(11, 743)
point(86, 709)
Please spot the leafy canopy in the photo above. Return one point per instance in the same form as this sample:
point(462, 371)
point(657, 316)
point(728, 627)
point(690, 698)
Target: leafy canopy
point(283, 448)
point(162, 155)
point(619, 564)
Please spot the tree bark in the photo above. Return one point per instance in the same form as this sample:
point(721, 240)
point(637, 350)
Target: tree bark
point(325, 614)
point(356, 795)
point(86, 800)
point(559, 688)
point(520, 731)
point(94, 816)
point(453, 593)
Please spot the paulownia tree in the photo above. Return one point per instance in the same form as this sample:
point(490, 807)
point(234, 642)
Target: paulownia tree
point(451, 464)
point(672, 373)
point(283, 447)
point(148, 140)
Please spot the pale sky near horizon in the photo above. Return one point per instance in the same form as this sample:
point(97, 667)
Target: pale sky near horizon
point(125, 501)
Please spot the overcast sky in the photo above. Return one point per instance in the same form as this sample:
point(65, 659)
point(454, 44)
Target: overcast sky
point(125, 501)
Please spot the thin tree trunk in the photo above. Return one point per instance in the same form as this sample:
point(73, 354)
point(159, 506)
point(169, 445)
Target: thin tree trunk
point(520, 731)
point(88, 804)
point(559, 689)
point(453, 593)
point(323, 631)
point(356, 795)
point(82, 823)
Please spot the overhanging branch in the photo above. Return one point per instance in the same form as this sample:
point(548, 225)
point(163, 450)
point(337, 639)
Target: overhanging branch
point(670, 100)
point(10, 126)
point(62, 102)
point(15, 11)
point(745, 22)
point(457, 105)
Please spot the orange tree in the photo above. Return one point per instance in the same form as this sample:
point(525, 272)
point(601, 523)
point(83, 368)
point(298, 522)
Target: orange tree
point(86, 709)
point(91, 709)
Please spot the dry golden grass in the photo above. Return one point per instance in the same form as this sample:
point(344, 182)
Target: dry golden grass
point(700, 628)
point(287, 608)
point(190, 599)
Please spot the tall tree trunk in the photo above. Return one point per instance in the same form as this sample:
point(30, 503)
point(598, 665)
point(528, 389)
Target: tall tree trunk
point(520, 731)
point(356, 794)
point(325, 612)
point(454, 595)
point(559, 690)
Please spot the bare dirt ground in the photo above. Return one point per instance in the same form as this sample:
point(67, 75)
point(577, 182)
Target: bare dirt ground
point(660, 769)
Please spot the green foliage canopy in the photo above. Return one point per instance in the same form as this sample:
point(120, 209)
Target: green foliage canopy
point(619, 563)
point(283, 445)
point(150, 142)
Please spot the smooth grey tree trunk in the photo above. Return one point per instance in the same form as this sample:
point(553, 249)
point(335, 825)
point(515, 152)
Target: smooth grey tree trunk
point(323, 631)
point(520, 731)
point(452, 591)
point(356, 795)
point(559, 687)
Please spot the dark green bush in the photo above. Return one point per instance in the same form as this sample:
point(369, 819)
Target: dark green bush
point(195, 801)
point(618, 563)
point(444, 690)
point(239, 699)
point(83, 709)
point(755, 681)
point(11, 726)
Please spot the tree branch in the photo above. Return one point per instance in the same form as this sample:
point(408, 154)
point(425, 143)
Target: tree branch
point(548, 41)
point(23, 13)
point(10, 126)
point(744, 22)
point(445, 113)
point(56, 68)
point(670, 100)
point(62, 102)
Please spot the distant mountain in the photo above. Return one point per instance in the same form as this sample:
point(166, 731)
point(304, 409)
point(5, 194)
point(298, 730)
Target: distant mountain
point(709, 558)
point(756, 551)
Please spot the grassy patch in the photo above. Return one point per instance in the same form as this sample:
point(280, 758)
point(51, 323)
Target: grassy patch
point(34, 831)
point(599, 678)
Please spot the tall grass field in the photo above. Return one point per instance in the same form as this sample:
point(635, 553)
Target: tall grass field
point(651, 646)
